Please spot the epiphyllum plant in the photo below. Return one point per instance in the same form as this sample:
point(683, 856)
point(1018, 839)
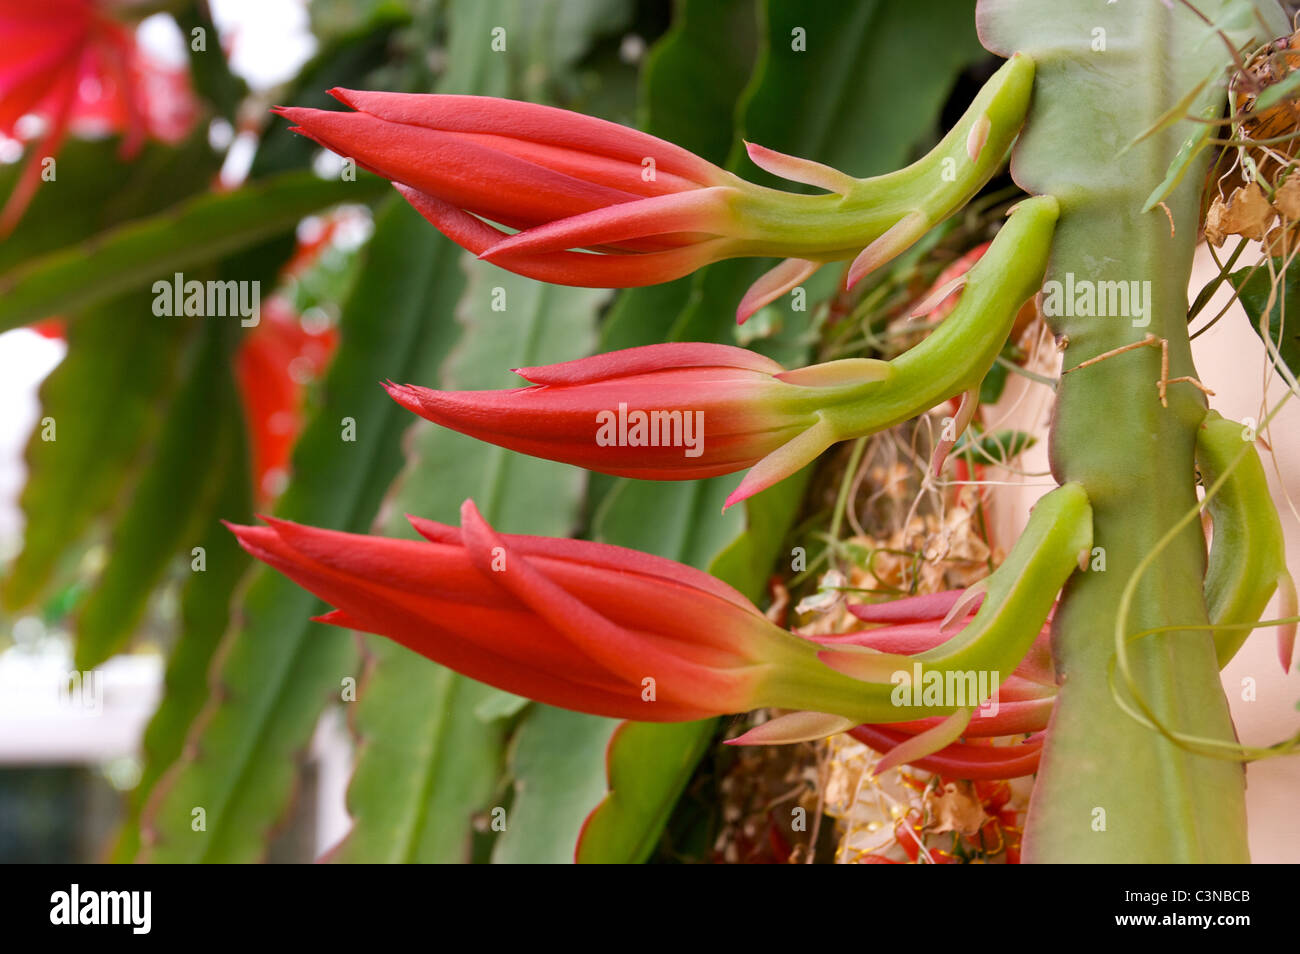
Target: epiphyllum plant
point(1134, 748)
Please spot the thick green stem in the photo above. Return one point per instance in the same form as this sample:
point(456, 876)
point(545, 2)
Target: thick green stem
point(1109, 788)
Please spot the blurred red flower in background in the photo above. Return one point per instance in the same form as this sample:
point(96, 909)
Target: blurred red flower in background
point(76, 68)
point(274, 363)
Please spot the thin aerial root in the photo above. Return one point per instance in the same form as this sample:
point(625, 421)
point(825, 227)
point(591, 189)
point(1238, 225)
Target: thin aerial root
point(1188, 379)
point(1146, 342)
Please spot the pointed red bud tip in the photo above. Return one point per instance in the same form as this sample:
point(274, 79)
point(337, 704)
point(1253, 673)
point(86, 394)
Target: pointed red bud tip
point(404, 395)
point(678, 411)
point(476, 167)
point(575, 624)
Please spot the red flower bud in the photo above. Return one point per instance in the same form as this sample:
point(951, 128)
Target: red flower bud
point(660, 412)
point(571, 180)
point(581, 625)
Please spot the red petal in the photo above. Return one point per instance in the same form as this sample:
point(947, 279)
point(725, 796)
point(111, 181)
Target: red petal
point(655, 357)
point(586, 270)
point(617, 649)
point(908, 609)
point(963, 760)
point(545, 124)
point(591, 554)
point(700, 210)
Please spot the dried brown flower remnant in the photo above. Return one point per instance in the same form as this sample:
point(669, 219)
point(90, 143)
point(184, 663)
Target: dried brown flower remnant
point(1267, 68)
point(1282, 237)
point(1262, 158)
point(1246, 213)
point(1287, 198)
point(955, 807)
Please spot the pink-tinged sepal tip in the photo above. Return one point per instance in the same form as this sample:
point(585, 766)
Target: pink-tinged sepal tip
point(787, 459)
point(796, 169)
point(774, 283)
point(968, 600)
point(1286, 632)
point(940, 295)
point(864, 664)
point(952, 432)
point(794, 727)
point(978, 137)
point(927, 743)
point(897, 239)
point(845, 372)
